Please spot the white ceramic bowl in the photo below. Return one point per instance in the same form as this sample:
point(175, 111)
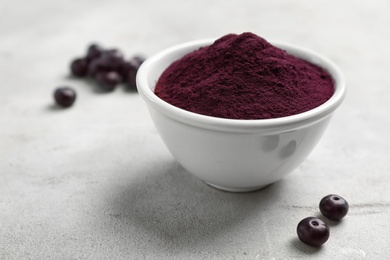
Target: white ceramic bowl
point(230, 154)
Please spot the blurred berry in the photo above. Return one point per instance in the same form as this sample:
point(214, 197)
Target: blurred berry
point(94, 51)
point(131, 70)
point(108, 80)
point(64, 96)
point(79, 67)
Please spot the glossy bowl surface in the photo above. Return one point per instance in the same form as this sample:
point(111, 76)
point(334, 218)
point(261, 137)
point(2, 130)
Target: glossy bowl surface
point(230, 154)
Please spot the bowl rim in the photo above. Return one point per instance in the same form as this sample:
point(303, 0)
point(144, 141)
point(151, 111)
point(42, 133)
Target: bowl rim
point(287, 123)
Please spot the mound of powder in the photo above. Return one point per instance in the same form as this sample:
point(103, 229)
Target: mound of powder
point(244, 77)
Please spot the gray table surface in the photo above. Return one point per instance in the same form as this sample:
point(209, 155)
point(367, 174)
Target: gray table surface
point(96, 182)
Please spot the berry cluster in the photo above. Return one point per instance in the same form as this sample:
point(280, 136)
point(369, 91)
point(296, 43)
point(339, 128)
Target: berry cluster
point(314, 231)
point(108, 67)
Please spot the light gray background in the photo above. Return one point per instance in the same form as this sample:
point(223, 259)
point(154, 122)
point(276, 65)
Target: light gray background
point(96, 182)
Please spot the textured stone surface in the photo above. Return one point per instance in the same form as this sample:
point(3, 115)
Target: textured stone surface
point(95, 181)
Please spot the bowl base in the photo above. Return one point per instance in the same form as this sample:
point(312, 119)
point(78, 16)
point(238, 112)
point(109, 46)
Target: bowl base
point(232, 189)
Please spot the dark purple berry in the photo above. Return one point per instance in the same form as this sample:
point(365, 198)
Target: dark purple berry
point(131, 70)
point(94, 51)
point(113, 58)
point(124, 69)
point(131, 78)
point(96, 66)
point(64, 96)
point(334, 207)
point(313, 231)
point(79, 67)
point(108, 80)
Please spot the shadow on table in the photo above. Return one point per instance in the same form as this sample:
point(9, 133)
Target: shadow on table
point(183, 211)
point(298, 246)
